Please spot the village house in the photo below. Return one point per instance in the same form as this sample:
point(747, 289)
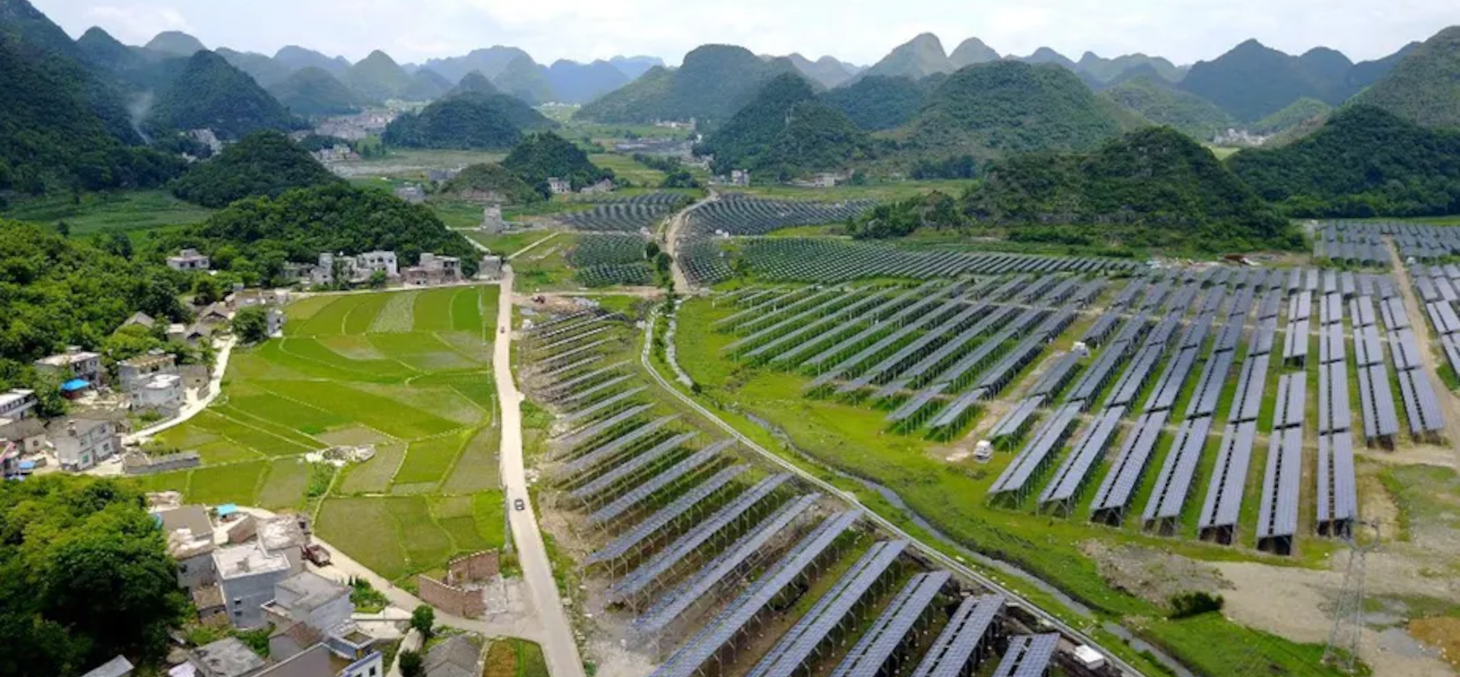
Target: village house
point(492, 221)
point(490, 268)
point(134, 372)
point(411, 194)
point(214, 315)
point(433, 270)
point(458, 656)
point(246, 577)
point(75, 363)
point(188, 259)
point(28, 434)
point(162, 393)
point(243, 298)
point(140, 319)
point(604, 186)
point(309, 610)
point(116, 667)
point(189, 533)
point(16, 404)
point(559, 186)
point(227, 657)
point(82, 443)
point(331, 268)
point(740, 177)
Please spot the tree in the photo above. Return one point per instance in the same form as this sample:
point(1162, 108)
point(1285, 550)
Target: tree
point(117, 243)
point(251, 324)
point(206, 291)
point(411, 664)
point(423, 619)
point(378, 279)
point(63, 229)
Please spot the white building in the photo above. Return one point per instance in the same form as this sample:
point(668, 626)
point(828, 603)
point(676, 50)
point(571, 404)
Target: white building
point(432, 270)
point(82, 443)
point(558, 186)
point(275, 318)
point(16, 404)
point(370, 263)
point(136, 372)
point(740, 177)
point(188, 259)
point(74, 363)
point(247, 575)
point(163, 392)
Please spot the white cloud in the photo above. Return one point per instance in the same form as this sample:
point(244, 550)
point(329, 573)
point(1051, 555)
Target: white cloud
point(855, 30)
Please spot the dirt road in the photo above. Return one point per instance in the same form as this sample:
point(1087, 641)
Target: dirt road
point(559, 646)
point(671, 242)
point(1417, 320)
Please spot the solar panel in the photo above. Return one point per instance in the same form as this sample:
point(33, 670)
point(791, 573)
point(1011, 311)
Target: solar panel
point(604, 406)
point(958, 643)
point(1028, 655)
point(643, 491)
point(612, 448)
point(1049, 437)
point(1173, 484)
point(594, 430)
point(637, 534)
point(1114, 494)
point(1337, 492)
point(1228, 482)
point(1089, 447)
point(622, 471)
point(1210, 384)
point(870, 655)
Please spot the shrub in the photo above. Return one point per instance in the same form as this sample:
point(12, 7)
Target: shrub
point(1186, 605)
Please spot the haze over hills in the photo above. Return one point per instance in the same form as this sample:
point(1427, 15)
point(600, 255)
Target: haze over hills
point(212, 94)
point(296, 58)
point(634, 66)
point(918, 58)
point(377, 77)
point(175, 43)
point(714, 83)
point(313, 91)
point(262, 69)
point(826, 71)
point(972, 51)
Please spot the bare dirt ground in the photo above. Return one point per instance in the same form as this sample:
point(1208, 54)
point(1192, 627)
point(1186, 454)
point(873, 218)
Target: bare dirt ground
point(1153, 575)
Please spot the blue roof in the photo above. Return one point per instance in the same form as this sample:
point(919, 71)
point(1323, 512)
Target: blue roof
point(227, 509)
point(75, 384)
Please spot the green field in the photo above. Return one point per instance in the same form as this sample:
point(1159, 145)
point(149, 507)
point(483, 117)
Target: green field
point(132, 212)
point(898, 190)
point(407, 371)
point(626, 167)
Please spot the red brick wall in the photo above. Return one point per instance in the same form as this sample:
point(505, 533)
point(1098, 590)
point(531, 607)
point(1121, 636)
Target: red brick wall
point(476, 567)
point(453, 600)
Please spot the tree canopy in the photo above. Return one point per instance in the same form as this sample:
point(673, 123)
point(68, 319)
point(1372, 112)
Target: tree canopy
point(84, 576)
point(784, 131)
point(489, 182)
point(546, 155)
point(211, 94)
point(263, 163)
point(878, 102)
point(466, 121)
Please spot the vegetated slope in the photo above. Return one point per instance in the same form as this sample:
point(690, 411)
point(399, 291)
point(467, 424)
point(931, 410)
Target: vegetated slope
point(313, 91)
point(826, 71)
point(263, 163)
point(378, 77)
point(1364, 162)
point(1163, 104)
point(262, 69)
point(546, 155)
point(490, 183)
point(574, 82)
point(176, 43)
point(1253, 81)
point(786, 132)
point(490, 61)
point(1107, 70)
point(211, 94)
point(970, 52)
point(57, 291)
point(526, 80)
point(1046, 55)
point(467, 121)
point(1008, 107)
point(294, 58)
point(1424, 87)
point(1366, 73)
point(130, 69)
point(1294, 114)
point(50, 137)
point(714, 82)
point(426, 85)
point(1157, 179)
point(330, 218)
point(878, 102)
point(917, 58)
point(474, 83)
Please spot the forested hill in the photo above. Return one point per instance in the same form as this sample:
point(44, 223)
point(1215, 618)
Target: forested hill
point(546, 155)
point(467, 121)
point(1161, 103)
point(1424, 87)
point(1156, 179)
point(786, 132)
point(264, 163)
point(377, 77)
point(1364, 162)
point(879, 102)
point(212, 94)
point(714, 82)
point(1007, 107)
point(313, 91)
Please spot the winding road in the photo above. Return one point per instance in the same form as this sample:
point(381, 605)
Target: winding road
point(559, 646)
point(682, 285)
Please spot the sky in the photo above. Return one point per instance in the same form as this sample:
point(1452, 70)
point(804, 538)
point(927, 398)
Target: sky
point(858, 31)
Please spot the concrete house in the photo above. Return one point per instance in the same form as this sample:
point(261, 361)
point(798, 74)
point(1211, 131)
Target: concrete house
point(214, 315)
point(140, 319)
point(369, 263)
point(75, 363)
point(134, 373)
point(28, 434)
point(162, 393)
point(459, 656)
point(227, 657)
point(83, 443)
point(17, 404)
point(433, 270)
point(411, 194)
point(188, 259)
point(309, 609)
point(190, 541)
point(247, 575)
point(559, 186)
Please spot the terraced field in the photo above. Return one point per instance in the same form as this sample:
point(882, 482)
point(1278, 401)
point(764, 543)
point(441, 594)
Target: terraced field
point(408, 372)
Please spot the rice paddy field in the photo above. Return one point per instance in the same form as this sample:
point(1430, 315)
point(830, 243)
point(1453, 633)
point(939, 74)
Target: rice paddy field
point(408, 372)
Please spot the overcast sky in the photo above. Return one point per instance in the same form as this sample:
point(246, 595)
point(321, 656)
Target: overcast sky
point(860, 31)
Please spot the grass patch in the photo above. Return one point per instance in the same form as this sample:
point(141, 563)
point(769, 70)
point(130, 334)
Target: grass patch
point(131, 212)
point(428, 460)
point(234, 483)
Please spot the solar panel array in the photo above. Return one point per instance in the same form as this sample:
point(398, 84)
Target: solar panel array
point(1028, 655)
point(636, 536)
point(1046, 441)
point(1277, 522)
point(871, 654)
point(961, 644)
point(1089, 447)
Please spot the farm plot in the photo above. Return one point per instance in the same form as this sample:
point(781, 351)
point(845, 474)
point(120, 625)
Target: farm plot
point(405, 371)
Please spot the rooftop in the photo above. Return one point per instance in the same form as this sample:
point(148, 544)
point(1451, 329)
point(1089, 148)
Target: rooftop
point(15, 396)
point(67, 358)
point(281, 532)
point(226, 657)
point(247, 560)
point(116, 667)
point(455, 657)
point(149, 360)
point(311, 590)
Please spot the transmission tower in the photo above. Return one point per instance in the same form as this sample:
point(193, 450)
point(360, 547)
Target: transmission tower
point(1348, 613)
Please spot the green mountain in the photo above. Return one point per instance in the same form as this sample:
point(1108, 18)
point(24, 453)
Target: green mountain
point(175, 43)
point(635, 66)
point(714, 82)
point(1163, 104)
point(312, 91)
point(918, 58)
point(294, 58)
point(1107, 70)
point(1156, 186)
point(262, 163)
point(1296, 113)
point(132, 70)
point(426, 85)
point(879, 102)
point(211, 94)
point(970, 52)
point(573, 82)
point(826, 71)
point(1252, 81)
point(490, 62)
point(786, 132)
point(524, 79)
point(1366, 73)
point(1045, 55)
point(546, 155)
point(262, 69)
point(467, 121)
point(474, 83)
point(1366, 161)
point(1009, 107)
point(377, 78)
point(490, 183)
point(1423, 87)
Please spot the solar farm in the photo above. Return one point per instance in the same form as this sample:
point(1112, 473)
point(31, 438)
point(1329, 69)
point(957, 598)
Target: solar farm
point(706, 559)
point(633, 214)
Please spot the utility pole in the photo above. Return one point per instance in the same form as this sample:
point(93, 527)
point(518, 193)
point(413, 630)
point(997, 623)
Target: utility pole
point(1342, 649)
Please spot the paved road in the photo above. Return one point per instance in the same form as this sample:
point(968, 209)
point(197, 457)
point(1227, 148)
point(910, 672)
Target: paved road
point(558, 643)
point(191, 409)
